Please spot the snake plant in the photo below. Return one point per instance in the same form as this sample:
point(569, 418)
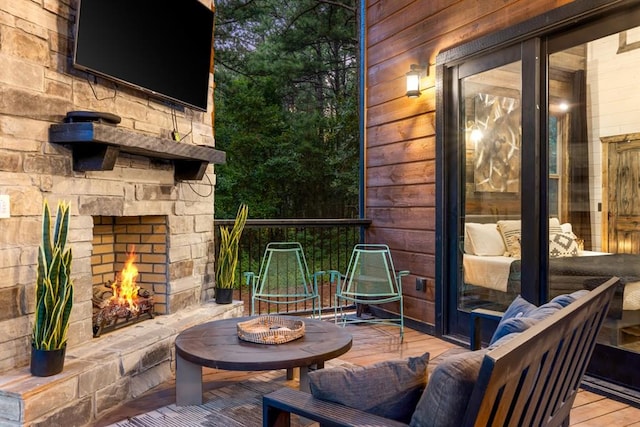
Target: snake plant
point(227, 261)
point(54, 287)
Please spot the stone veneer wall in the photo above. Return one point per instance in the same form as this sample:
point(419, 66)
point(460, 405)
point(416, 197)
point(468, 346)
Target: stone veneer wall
point(38, 86)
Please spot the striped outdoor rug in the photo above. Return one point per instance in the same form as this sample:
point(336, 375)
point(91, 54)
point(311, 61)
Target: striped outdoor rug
point(235, 405)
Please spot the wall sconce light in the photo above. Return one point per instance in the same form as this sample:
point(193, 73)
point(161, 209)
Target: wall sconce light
point(476, 134)
point(413, 80)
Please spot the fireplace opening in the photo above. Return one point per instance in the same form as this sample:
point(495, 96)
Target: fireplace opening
point(122, 302)
point(129, 269)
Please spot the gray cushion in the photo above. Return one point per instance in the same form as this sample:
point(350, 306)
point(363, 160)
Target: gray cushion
point(445, 399)
point(451, 382)
point(390, 389)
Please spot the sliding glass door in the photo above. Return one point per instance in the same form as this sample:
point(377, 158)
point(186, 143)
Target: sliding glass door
point(491, 101)
point(594, 136)
point(539, 147)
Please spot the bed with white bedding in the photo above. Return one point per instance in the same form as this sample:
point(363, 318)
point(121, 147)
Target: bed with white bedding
point(502, 273)
point(492, 261)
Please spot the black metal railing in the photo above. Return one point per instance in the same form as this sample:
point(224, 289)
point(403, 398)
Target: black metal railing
point(327, 244)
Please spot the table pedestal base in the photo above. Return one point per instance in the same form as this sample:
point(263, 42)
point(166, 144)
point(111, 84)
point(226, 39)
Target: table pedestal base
point(188, 382)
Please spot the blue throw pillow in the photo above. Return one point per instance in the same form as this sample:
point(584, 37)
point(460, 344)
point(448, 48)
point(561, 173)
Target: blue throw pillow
point(390, 389)
point(566, 299)
point(544, 311)
point(518, 308)
point(512, 326)
point(521, 314)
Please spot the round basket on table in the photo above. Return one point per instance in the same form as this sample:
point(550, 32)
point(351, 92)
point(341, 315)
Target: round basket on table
point(270, 330)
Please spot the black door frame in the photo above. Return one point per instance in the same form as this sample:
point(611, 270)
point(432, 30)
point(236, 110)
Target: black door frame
point(542, 34)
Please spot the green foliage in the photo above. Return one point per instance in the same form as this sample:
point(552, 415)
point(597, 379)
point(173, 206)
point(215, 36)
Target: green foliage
point(287, 108)
point(54, 287)
point(227, 261)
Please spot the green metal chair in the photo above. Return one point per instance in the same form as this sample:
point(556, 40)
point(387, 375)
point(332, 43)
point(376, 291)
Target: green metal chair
point(284, 279)
point(370, 279)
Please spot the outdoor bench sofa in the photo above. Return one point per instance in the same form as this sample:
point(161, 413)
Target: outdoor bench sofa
point(527, 378)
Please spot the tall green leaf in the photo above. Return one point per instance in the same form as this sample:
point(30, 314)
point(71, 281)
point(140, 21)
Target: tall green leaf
point(227, 261)
point(54, 287)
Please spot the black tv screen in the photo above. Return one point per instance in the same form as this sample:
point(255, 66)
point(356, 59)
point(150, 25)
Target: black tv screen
point(160, 47)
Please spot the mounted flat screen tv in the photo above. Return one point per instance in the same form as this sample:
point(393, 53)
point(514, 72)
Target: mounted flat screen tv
point(160, 47)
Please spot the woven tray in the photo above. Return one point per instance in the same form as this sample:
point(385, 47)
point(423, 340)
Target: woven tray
point(270, 330)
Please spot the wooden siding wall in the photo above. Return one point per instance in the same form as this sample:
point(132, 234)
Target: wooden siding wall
point(400, 132)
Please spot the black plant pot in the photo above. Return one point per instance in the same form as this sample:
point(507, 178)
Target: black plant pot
point(45, 363)
point(224, 295)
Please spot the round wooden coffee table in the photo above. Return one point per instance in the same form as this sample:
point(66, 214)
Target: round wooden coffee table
point(216, 345)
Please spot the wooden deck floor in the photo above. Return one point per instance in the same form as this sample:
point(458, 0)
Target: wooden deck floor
point(372, 344)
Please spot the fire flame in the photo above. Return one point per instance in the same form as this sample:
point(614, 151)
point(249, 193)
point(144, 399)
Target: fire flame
point(125, 291)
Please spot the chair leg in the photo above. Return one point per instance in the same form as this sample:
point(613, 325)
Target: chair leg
point(401, 322)
point(338, 313)
point(319, 307)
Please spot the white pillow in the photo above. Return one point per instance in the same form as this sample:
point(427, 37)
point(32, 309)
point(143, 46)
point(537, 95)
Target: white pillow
point(554, 226)
point(568, 229)
point(483, 240)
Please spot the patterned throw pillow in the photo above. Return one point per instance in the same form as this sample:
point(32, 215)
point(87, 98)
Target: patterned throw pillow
point(390, 389)
point(562, 245)
point(510, 230)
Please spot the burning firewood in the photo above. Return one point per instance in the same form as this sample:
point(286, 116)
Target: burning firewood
point(121, 301)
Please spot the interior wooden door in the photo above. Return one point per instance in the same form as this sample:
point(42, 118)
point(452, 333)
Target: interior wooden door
point(621, 193)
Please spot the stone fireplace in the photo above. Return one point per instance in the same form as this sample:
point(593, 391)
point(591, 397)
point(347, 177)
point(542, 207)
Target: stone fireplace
point(137, 206)
point(128, 184)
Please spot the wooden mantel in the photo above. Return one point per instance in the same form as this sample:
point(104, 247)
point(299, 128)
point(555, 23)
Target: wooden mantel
point(96, 147)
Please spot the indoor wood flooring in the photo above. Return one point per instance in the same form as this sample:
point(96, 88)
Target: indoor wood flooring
point(372, 344)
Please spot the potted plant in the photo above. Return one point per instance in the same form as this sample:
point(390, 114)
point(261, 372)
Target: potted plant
point(54, 295)
point(227, 261)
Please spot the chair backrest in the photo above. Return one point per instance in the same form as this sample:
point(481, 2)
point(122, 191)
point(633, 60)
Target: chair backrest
point(284, 271)
point(370, 272)
point(533, 379)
